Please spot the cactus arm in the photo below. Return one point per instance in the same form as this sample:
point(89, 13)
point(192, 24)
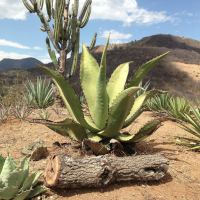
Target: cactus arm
point(28, 6)
point(48, 30)
point(142, 134)
point(73, 35)
point(87, 17)
point(76, 52)
point(49, 9)
point(93, 42)
point(42, 28)
point(84, 9)
point(119, 111)
point(41, 3)
point(101, 101)
point(70, 98)
point(117, 81)
point(59, 9)
point(142, 71)
point(76, 4)
point(89, 70)
point(35, 6)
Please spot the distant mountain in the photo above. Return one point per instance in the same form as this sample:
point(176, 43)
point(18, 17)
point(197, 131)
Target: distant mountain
point(7, 64)
point(178, 72)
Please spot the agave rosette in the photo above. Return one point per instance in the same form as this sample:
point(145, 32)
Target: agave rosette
point(111, 107)
point(15, 182)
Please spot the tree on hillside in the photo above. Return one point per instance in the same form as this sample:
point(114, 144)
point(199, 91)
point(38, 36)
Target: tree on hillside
point(65, 35)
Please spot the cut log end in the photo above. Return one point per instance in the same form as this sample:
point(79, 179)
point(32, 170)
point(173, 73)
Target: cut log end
point(51, 173)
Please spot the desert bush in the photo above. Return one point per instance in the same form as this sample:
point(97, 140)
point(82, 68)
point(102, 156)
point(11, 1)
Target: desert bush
point(15, 182)
point(21, 110)
point(143, 90)
point(45, 114)
point(158, 102)
point(4, 111)
point(193, 127)
point(40, 96)
point(177, 108)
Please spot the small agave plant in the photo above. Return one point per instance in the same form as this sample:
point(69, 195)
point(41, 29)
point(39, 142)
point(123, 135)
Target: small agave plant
point(14, 180)
point(111, 107)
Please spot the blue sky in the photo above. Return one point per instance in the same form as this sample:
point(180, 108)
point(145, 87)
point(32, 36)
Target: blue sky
point(127, 20)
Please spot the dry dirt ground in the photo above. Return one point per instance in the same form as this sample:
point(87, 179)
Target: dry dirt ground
point(182, 180)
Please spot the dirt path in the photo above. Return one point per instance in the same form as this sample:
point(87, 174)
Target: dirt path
point(181, 182)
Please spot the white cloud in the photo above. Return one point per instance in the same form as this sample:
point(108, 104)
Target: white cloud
point(37, 48)
point(190, 14)
point(115, 36)
point(12, 9)
point(45, 61)
point(12, 44)
point(126, 11)
point(12, 55)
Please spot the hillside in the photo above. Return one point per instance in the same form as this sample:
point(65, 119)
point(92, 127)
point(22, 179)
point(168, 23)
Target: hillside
point(7, 64)
point(178, 72)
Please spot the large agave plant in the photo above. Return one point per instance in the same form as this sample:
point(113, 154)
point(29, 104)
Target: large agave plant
point(14, 180)
point(111, 107)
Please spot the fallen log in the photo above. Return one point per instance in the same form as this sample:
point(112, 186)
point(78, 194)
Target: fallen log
point(63, 171)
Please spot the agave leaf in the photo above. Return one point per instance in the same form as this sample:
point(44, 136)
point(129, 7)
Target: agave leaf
point(136, 109)
point(31, 181)
point(117, 81)
point(186, 138)
point(22, 195)
point(24, 165)
point(16, 178)
point(89, 70)
point(69, 97)
point(119, 112)
point(2, 184)
point(94, 137)
point(197, 147)
point(8, 192)
point(101, 103)
point(8, 167)
point(98, 148)
point(37, 190)
point(76, 131)
point(142, 134)
point(142, 71)
point(2, 161)
point(185, 144)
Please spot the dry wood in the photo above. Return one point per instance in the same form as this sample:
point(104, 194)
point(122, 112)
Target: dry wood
point(63, 171)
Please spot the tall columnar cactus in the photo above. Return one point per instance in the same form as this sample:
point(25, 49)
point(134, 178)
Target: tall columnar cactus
point(111, 107)
point(66, 30)
point(15, 182)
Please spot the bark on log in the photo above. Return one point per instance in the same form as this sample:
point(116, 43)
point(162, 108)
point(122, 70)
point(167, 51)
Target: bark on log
point(66, 172)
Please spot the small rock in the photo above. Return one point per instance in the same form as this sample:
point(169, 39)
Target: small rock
point(36, 150)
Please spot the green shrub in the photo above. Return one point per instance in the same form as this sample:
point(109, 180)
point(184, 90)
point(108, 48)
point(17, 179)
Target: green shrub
point(193, 128)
